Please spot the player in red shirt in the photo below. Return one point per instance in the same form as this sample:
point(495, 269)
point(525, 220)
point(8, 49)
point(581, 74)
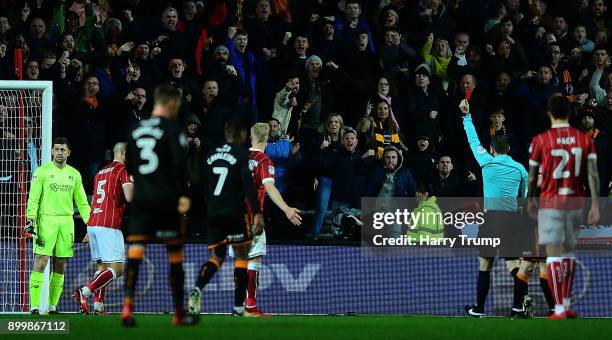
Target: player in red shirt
point(113, 189)
point(565, 155)
point(262, 168)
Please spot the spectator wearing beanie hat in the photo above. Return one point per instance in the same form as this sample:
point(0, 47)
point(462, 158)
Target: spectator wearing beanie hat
point(422, 107)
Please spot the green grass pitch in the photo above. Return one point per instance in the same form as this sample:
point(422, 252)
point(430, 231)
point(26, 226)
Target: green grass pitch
point(154, 327)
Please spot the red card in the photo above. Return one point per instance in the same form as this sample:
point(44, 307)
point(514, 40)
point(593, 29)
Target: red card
point(468, 94)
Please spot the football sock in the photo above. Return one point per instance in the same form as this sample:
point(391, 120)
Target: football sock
point(253, 282)
point(177, 282)
point(520, 288)
point(482, 287)
point(99, 282)
point(36, 281)
point(177, 276)
point(100, 294)
point(568, 264)
point(546, 291)
point(240, 281)
point(555, 282)
point(130, 279)
point(85, 290)
point(207, 272)
point(56, 285)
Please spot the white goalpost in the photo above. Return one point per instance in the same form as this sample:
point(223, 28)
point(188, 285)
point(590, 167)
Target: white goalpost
point(25, 144)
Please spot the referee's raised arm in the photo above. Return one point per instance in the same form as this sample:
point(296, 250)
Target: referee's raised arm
point(503, 178)
point(480, 153)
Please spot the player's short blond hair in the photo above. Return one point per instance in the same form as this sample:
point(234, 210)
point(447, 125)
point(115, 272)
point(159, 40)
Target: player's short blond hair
point(260, 132)
point(121, 146)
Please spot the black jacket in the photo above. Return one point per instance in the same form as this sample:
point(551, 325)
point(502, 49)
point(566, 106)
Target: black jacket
point(347, 172)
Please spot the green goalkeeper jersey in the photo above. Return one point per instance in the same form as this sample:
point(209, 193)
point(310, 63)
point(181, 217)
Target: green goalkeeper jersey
point(53, 190)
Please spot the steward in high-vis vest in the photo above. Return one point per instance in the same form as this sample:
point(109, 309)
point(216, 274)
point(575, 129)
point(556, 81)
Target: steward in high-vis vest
point(427, 217)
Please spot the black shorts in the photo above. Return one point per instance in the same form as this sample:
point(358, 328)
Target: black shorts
point(155, 224)
point(230, 228)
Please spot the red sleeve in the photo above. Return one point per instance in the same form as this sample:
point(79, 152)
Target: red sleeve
point(535, 155)
point(267, 170)
point(124, 178)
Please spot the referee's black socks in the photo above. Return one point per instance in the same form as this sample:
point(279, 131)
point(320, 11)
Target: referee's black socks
point(482, 287)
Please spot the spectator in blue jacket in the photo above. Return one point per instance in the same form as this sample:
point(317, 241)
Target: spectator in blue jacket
point(348, 27)
point(389, 181)
point(244, 62)
point(282, 152)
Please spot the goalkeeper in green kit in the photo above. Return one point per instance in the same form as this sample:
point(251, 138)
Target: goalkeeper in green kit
point(49, 221)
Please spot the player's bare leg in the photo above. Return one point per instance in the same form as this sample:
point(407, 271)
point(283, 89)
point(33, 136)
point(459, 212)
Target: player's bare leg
point(254, 267)
point(207, 271)
point(36, 281)
point(135, 256)
point(56, 283)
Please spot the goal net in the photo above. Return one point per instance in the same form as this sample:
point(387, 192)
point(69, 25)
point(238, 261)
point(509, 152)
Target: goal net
point(25, 143)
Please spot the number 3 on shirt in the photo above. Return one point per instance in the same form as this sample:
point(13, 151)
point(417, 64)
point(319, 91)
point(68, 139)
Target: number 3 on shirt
point(146, 146)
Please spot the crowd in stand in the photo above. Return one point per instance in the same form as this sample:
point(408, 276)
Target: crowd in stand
point(361, 96)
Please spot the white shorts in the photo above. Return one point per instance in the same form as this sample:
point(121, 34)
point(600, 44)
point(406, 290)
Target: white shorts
point(557, 226)
point(106, 244)
point(258, 247)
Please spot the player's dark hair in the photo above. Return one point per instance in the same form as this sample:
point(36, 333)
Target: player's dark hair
point(61, 140)
point(500, 143)
point(166, 93)
point(558, 106)
point(234, 127)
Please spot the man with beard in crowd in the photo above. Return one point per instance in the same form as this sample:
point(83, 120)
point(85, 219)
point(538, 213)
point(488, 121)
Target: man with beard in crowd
point(230, 85)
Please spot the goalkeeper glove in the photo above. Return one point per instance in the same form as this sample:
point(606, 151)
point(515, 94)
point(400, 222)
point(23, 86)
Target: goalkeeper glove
point(28, 230)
